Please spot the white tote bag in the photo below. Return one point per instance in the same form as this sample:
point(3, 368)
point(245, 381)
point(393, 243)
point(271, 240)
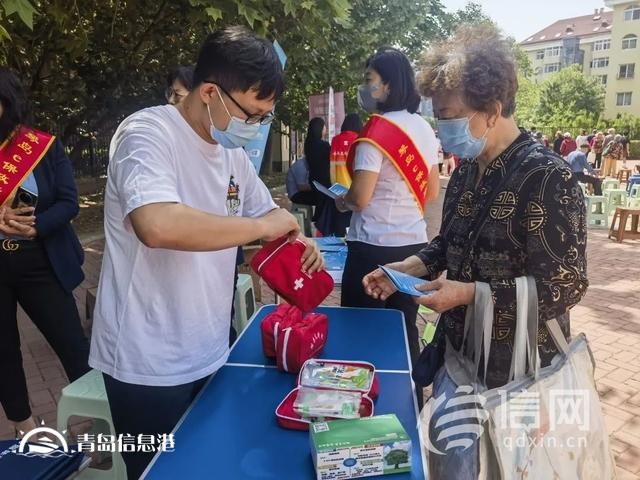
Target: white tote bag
point(546, 423)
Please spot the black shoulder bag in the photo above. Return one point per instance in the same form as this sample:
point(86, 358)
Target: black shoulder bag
point(431, 358)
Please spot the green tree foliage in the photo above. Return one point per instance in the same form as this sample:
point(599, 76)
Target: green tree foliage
point(568, 95)
point(89, 64)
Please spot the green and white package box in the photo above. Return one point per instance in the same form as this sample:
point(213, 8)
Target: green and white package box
point(360, 447)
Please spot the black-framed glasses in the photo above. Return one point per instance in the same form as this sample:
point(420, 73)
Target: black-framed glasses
point(170, 93)
point(252, 118)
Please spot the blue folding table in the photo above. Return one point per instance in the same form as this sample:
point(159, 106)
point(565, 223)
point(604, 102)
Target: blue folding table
point(230, 431)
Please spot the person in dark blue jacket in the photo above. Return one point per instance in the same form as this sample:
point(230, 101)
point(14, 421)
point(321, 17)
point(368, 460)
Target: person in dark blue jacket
point(40, 255)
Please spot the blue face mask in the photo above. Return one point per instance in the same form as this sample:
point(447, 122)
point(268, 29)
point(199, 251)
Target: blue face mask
point(238, 132)
point(365, 97)
point(365, 100)
point(456, 138)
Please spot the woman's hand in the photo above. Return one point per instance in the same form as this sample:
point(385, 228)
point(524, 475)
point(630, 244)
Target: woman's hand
point(18, 222)
point(377, 285)
point(341, 204)
point(446, 294)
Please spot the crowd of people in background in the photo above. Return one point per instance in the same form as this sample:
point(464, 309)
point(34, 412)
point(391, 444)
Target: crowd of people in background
point(603, 150)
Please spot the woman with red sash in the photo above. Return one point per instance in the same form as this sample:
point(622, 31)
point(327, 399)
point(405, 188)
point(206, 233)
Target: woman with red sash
point(40, 256)
point(392, 179)
point(340, 146)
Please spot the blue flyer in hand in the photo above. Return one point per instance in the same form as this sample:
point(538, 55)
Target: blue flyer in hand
point(405, 283)
point(334, 192)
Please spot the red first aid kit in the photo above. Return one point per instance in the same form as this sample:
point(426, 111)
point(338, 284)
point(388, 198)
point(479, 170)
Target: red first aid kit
point(280, 266)
point(288, 417)
point(293, 338)
point(272, 324)
point(301, 341)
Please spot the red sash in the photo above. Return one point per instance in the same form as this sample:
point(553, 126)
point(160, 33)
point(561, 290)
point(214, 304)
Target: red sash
point(394, 142)
point(340, 146)
point(19, 155)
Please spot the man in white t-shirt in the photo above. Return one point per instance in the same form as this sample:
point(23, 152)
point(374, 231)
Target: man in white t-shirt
point(181, 196)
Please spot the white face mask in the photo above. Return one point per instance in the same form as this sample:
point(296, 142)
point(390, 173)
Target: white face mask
point(238, 132)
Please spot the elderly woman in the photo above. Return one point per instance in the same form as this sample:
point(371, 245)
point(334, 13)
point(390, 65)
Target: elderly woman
point(534, 225)
point(597, 146)
point(612, 153)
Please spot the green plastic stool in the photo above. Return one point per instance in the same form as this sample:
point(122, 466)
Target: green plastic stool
point(244, 303)
point(635, 191)
point(87, 397)
point(597, 211)
point(584, 188)
point(616, 198)
point(633, 202)
point(307, 211)
point(610, 184)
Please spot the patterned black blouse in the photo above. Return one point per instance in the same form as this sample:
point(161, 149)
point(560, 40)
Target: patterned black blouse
point(535, 226)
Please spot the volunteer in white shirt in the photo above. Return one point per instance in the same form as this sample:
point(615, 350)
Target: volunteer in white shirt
point(388, 221)
point(180, 198)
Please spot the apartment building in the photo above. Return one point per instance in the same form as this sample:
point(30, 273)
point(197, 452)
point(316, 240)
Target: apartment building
point(606, 44)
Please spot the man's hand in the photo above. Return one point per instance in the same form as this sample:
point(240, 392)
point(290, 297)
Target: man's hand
point(278, 223)
point(312, 259)
point(18, 222)
point(446, 294)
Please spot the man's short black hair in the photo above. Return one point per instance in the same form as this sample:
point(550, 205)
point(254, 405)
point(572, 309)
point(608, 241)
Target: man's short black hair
point(183, 74)
point(16, 109)
point(238, 60)
point(394, 68)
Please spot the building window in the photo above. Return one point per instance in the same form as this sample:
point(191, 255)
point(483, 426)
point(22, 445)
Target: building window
point(629, 41)
point(539, 54)
point(551, 67)
point(601, 79)
point(552, 51)
point(623, 99)
point(626, 70)
point(602, 62)
point(601, 45)
point(632, 13)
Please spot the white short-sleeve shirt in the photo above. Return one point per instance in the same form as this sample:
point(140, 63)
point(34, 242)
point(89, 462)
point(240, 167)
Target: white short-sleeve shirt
point(162, 317)
point(393, 217)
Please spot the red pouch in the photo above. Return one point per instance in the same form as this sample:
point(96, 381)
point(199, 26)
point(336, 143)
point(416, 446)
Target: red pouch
point(288, 418)
point(300, 341)
point(280, 266)
point(271, 326)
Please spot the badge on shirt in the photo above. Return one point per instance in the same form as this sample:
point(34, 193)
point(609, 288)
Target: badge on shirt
point(233, 198)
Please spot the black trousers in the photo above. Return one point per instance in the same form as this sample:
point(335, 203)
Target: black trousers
point(26, 278)
point(596, 182)
point(144, 410)
point(362, 258)
point(598, 160)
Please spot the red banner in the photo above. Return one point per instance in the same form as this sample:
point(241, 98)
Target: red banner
point(19, 155)
point(395, 144)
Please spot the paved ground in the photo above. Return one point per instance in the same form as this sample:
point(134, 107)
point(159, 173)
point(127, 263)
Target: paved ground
point(609, 315)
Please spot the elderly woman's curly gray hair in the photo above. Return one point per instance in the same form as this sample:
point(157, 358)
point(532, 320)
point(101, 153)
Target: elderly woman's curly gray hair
point(478, 63)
